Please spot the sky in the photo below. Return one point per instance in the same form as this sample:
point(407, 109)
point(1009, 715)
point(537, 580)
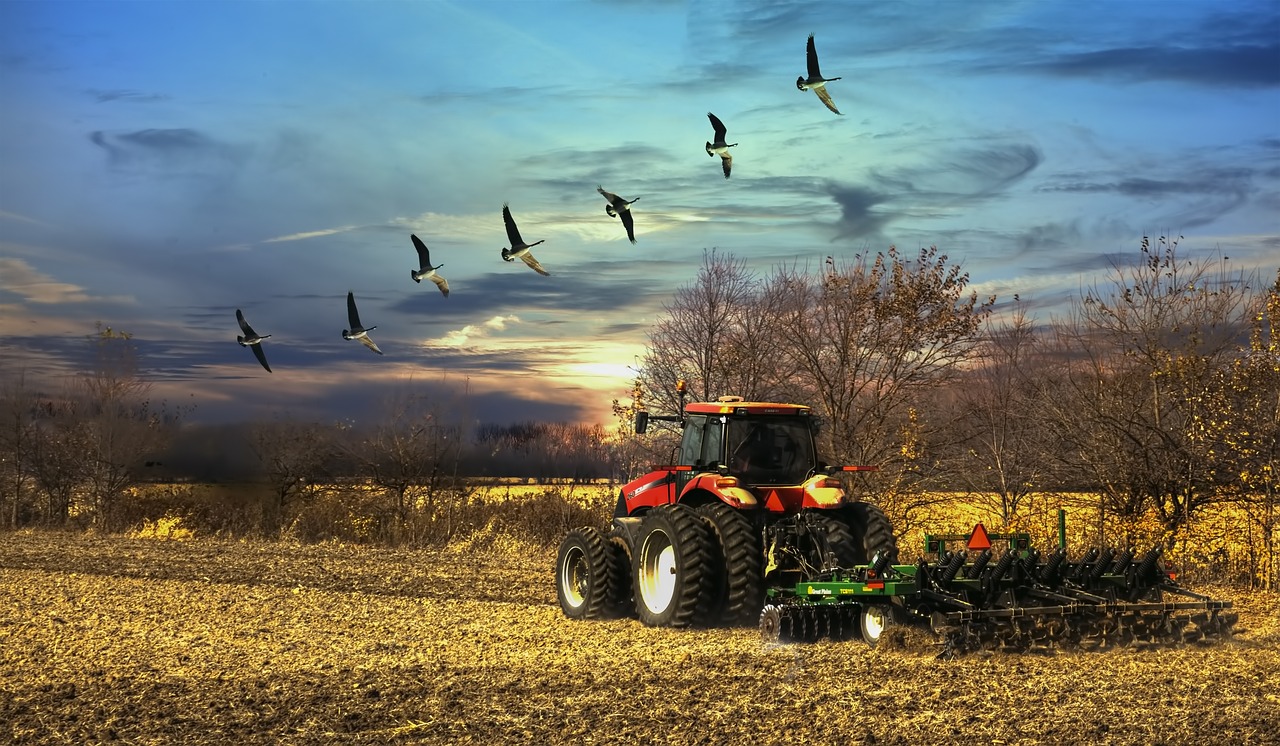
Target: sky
point(163, 164)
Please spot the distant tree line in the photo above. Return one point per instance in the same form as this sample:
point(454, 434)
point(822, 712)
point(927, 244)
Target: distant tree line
point(1157, 394)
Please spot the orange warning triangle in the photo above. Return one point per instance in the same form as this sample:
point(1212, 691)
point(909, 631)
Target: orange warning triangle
point(772, 502)
point(979, 539)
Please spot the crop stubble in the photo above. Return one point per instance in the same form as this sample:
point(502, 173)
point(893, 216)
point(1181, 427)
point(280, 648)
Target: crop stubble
point(113, 639)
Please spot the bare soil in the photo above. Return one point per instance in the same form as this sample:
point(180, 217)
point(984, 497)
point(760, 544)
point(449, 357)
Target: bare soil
point(109, 639)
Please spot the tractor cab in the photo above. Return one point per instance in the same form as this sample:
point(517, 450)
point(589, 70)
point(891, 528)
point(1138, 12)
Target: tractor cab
point(759, 443)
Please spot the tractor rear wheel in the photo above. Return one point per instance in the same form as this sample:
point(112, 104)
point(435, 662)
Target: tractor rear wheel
point(584, 569)
point(739, 585)
point(839, 539)
point(671, 568)
point(872, 532)
point(619, 603)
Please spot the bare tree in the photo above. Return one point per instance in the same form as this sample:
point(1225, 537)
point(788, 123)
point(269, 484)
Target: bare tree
point(413, 455)
point(17, 435)
point(714, 335)
point(121, 425)
point(1142, 370)
point(867, 339)
point(1001, 454)
point(295, 459)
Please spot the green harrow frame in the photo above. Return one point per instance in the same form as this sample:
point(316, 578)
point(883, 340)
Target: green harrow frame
point(1019, 602)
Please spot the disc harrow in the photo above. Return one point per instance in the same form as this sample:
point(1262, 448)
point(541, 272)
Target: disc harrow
point(1020, 601)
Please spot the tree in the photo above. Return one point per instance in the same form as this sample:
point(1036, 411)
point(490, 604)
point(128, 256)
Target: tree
point(1138, 402)
point(868, 340)
point(413, 456)
point(122, 428)
point(17, 435)
point(295, 459)
point(1002, 452)
point(718, 335)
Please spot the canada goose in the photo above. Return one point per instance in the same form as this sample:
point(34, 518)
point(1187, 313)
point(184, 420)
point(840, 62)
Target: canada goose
point(720, 147)
point(357, 331)
point(426, 270)
point(815, 81)
point(619, 207)
point(252, 339)
point(519, 249)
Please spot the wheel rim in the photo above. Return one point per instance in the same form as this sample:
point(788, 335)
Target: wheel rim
point(874, 621)
point(657, 571)
point(573, 577)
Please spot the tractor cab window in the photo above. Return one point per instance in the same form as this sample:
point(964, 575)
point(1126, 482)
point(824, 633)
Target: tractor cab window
point(691, 446)
point(712, 438)
point(770, 450)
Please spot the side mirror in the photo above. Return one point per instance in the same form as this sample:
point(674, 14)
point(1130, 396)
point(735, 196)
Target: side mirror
point(642, 422)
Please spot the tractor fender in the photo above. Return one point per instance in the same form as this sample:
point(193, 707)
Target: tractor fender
point(823, 492)
point(725, 489)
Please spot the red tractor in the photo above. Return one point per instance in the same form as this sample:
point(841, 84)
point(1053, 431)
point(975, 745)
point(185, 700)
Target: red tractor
point(747, 506)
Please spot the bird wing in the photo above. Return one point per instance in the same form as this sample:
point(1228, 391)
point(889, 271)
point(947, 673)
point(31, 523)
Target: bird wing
point(424, 256)
point(353, 317)
point(811, 58)
point(262, 356)
point(630, 224)
point(369, 343)
point(244, 325)
point(726, 161)
point(718, 126)
point(825, 97)
point(441, 283)
point(513, 233)
point(529, 260)
point(613, 198)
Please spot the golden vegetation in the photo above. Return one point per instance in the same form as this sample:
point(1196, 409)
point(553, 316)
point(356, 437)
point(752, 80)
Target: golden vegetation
point(202, 642)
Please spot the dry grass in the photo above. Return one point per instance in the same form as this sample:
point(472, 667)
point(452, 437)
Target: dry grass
point(135, 641)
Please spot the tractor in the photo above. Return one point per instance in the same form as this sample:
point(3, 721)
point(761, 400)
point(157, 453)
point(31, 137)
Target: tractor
point(747, 506)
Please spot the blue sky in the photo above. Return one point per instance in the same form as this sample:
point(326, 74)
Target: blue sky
point(165, 163)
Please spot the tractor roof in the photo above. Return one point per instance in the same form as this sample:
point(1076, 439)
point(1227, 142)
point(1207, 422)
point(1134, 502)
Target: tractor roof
point(735, 405)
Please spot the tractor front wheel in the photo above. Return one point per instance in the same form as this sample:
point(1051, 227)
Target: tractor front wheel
point(671, 569)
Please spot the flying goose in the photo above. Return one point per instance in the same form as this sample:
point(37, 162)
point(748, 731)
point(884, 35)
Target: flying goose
point(357, 331)
point(426, 270)
point(252, 339)
point(815, 81)
point(519, 249)
point(619, 207)
point(720, 147)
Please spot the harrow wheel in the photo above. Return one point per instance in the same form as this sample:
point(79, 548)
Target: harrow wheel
point(876, 619)
point(584, 570)
point(673, 578)
point(771, 626)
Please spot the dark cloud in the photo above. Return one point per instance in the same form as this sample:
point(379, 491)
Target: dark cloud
point(1206, 193)
point(521, 291)
point(181, 147)
point(858, 218)
point(128, 96)
point(1243, 67)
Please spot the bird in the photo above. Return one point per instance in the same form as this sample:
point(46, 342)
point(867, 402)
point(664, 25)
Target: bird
point(252, 339)
point(519, 249)
point(426, 270)
point(619, 207)
point(720, 147)
point(357, 331)
point(815, 81)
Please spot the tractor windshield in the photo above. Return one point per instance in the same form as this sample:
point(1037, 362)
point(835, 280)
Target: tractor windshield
point(769, 450)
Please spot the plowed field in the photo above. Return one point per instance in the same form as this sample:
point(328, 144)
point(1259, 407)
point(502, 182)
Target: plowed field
point(137, 641)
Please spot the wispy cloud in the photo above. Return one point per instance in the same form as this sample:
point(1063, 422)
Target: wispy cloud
point(460, 337)
point(311, 234)
point(20, 278)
